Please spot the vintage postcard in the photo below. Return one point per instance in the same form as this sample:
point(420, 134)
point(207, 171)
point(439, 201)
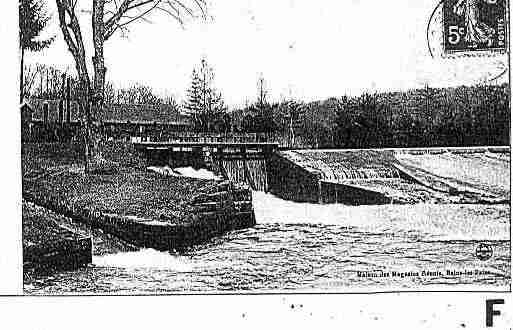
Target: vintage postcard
point(172, 147)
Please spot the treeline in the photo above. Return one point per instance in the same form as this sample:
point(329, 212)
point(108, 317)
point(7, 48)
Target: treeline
point(282, 122)
point(46, 82)
point(136, 94)
point(461, 116)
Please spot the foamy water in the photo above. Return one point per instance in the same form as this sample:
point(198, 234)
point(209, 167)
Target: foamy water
point(144, 258)
point(188, 172)
point(432, 221)
point(478, 169)
point(310, 247)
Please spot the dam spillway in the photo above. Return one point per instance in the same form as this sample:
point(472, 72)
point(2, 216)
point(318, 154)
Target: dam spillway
point(350, 176)
point(380, 176)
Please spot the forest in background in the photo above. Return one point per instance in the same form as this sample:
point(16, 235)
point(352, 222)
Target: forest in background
point(427, 117)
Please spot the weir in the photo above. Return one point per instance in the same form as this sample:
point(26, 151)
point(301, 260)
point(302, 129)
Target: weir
point(354, 177)
point(382, 176)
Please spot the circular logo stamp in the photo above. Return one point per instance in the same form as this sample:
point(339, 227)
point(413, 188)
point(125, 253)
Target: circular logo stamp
point(484, 251)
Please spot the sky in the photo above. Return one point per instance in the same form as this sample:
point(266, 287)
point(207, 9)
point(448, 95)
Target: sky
point(307, 50)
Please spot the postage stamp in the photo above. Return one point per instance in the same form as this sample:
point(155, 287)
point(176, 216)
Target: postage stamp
point(475, 25)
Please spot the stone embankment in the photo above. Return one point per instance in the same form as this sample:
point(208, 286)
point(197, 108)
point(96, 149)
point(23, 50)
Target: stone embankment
point(223, 207)
point(49, 246)
point(62, 254)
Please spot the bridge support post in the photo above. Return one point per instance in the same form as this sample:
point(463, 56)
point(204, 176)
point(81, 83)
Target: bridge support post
point(197, 157)
point(319, 182)
point(219, 160)
point(247, 174)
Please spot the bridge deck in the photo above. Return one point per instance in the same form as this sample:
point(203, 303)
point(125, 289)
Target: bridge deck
point(167, 145)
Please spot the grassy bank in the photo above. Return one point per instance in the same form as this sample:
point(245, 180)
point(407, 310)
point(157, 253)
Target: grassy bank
point(40, 226)
point(133, 205)
point(56, 172)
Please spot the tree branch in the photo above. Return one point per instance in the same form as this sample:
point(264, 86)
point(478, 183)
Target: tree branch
point(64, 27)
point(174, 8)
point(75, 42)
point(139, 16)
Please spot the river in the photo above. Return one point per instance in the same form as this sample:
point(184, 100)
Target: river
point(316, 248)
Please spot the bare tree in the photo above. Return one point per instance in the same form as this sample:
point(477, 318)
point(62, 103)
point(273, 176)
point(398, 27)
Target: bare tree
point(30, 72)
point(136, 94)
point(109, 93)
point(107, 17)
point(262, 92)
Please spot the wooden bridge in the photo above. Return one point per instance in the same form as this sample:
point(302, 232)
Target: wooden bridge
point(237, 161)
point(208, 144)
point(222, 150)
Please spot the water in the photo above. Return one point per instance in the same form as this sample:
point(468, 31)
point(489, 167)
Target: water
point(316, 248)
point(344, 165)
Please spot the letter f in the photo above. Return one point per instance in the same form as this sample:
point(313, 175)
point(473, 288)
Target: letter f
point(490, 312)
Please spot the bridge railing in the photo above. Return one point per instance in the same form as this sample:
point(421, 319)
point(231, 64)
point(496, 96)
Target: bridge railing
point(214, 137)
point(283, 141)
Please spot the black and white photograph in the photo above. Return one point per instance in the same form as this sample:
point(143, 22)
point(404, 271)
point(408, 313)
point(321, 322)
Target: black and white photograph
point(264, 147)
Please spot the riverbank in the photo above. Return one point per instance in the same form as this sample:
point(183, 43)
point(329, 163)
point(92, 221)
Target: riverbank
point(140, 207)
point(49, 246)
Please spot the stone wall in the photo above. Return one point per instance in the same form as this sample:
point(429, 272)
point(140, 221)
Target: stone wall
point(63, 254)
point(290, 181)
point(332, 192)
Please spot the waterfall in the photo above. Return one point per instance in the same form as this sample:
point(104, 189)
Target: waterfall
point(344, 172)
point(253, 172)
point(345, 165)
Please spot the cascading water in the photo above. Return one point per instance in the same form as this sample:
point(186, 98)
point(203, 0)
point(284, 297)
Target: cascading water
point(342, 166)
point(253, 172)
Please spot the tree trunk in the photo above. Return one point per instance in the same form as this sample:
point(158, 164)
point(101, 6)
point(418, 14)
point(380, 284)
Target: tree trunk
point(21, 75)
point(90, 93)
point(95, 98)
point(92, 133)
point(291, 128)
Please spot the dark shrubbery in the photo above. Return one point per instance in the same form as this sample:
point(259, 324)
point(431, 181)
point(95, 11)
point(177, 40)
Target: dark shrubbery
point(123, 153)
point(461, 116)
point(37, 157)
point(50, 132)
